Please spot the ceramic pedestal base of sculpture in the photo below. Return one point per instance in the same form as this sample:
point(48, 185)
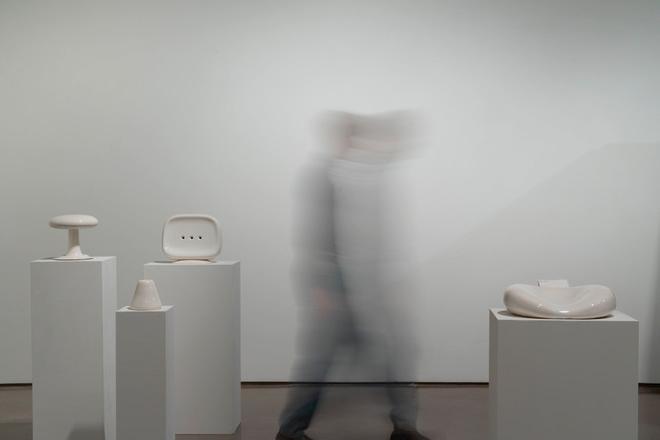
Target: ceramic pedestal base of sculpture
point(145, 374)
point(563, 379)
point(73, 348)
point(206, 343)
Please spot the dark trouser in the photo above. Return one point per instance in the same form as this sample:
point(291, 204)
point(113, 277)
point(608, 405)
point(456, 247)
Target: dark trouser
point(324, 338)
point(304, 399)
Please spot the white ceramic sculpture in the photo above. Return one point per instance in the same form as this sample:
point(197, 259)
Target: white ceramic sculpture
point(146, 296)
point(580, 302)
point(73, 222)
point(192, 238)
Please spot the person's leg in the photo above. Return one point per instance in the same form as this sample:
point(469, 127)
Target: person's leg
point(299, 410)
point(403, 398)
point(321, 336)
point(401, 355)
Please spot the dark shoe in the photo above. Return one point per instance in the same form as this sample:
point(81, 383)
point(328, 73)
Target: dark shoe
point(400, 434)
point(281, 436)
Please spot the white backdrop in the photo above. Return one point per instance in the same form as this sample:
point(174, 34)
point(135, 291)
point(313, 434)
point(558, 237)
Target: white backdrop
point(541, 152)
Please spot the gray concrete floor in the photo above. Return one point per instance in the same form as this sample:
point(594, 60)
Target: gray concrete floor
point(457, 412)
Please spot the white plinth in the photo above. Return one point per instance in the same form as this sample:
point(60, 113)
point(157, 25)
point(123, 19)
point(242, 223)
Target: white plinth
point(206, 343)
point(145, 374)
point(563, 379)
point(73, 348)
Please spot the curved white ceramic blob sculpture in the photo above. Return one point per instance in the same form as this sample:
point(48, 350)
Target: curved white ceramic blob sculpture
point(580, 302)
point(73, 222)
point(192, 238)
point(146, 296)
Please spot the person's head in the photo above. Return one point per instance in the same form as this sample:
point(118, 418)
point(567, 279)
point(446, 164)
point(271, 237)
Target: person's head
point(335, 130)
point(383, 134)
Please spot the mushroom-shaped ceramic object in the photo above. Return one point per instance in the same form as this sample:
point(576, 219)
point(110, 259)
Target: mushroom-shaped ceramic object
point(145, 296)
point(73, 222)
point(192, 238)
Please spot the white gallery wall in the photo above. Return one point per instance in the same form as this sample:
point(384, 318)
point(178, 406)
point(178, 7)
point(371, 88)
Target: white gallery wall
point(539, 154)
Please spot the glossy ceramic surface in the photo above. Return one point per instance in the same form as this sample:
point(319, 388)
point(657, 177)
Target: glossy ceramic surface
point(73, 222)
point(192, 237)
point(580, 302)
point(69, 221)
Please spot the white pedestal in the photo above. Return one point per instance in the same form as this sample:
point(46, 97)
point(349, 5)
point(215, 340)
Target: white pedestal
point(207, 343)
point(563, 379)
point(73, 348)
point(145, 374)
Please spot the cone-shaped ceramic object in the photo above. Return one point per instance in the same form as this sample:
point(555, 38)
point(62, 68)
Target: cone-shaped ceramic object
point(146, 296)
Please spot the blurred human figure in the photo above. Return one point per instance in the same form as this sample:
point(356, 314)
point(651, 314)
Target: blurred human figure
point(347, 269)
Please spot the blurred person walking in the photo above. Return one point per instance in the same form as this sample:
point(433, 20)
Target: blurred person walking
point(347, 270)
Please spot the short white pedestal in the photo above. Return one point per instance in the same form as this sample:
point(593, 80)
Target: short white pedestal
point(73, 348)
point(145, 374)
point(563, 379)
point(207, 343)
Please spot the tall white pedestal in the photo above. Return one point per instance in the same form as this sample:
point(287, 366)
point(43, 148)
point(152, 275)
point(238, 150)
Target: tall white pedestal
point(145, 374)
point(73, 348)
point(207, 343)
point(563, 379)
